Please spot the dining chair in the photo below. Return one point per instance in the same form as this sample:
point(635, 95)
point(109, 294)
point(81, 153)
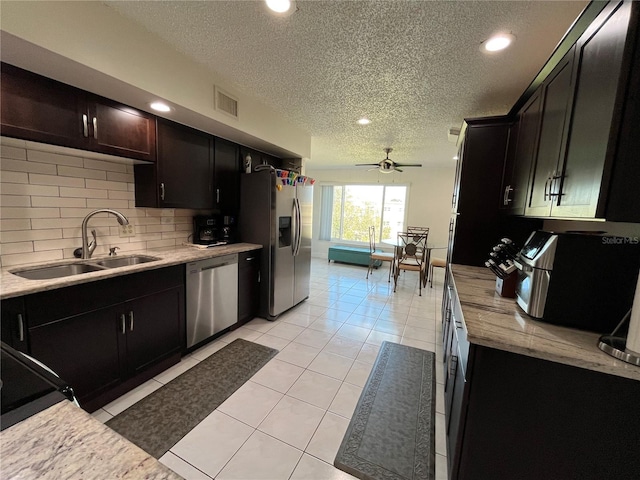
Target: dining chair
point(433, 263)
point(412, 251)
point(377, 255)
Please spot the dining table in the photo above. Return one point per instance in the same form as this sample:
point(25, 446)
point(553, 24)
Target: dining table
point(398, 244)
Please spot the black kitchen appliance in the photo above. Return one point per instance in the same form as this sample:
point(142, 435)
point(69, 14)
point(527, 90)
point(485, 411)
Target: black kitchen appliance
point(229, 229)
point(27, 387)
point(208, 229)
point(584, 281)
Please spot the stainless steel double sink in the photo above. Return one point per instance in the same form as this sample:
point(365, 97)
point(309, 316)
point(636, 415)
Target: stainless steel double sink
point(78, 268)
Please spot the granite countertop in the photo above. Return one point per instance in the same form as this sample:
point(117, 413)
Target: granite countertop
point(15, 286)
point(497, 322)
point(64, 441)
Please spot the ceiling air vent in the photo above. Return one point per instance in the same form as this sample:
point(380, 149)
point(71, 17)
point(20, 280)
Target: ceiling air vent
point(226, 103)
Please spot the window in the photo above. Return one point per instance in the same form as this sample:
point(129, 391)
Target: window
point(349, 210)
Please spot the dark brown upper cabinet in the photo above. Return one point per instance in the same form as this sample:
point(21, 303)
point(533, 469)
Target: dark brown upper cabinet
point(585, 160)
point(226, 176)
point(39, 109)
point(182, 176)
point(557, 93)
point(521, 150)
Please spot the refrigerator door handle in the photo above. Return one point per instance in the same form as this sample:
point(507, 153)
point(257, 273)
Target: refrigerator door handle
point(294, 227)
point(298, 227)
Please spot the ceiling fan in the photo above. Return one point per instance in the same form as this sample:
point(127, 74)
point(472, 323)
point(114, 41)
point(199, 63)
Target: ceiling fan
point(387, 165)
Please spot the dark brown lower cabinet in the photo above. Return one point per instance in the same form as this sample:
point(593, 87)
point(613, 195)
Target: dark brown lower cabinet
point(248, 285)
point(106, 337)
point(511, 416)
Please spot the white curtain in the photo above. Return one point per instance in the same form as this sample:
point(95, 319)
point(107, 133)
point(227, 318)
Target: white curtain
point(326, 209)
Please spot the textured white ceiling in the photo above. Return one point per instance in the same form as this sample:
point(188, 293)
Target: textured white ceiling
point(413, 67)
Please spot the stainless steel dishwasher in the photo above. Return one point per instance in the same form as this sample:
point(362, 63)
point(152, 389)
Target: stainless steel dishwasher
point(212, 297)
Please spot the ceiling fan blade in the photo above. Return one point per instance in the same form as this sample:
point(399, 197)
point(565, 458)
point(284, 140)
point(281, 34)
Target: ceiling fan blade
point(397, 169)
point(367, 164)
point(408, 164)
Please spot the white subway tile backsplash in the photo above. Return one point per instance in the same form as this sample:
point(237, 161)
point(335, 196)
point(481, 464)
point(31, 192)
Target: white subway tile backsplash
point(7, 225)
point(14, 177)
point(12, 142)
point(41, 245)
point(30, 235)
point(120, 195)
point(102, 203)
point(45, 195)
point(37, 179)
point(24, 212)
point(15, 200)
point(10, 165)
point(82, 172)
point(35, 257)
point(54, 158)
point(19, 153)
point(82, 193)
point(105, 185)
point(58, 202)
point(120, 177)
point(106, 166)
point(26, 189)
point(18, 247)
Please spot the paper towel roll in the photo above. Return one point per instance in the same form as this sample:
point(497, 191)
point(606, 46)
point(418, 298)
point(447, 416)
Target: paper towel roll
point(633, 338)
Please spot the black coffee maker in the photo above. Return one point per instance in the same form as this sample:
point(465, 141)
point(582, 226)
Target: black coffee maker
point(207, 229)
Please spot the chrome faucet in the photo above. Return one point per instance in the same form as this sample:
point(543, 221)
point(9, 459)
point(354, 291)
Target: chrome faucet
point(87, 250)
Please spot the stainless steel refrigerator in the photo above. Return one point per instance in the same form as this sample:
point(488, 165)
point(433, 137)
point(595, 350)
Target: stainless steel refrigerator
point(278, 216)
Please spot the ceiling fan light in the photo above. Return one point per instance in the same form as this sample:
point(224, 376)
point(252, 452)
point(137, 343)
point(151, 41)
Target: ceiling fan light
point(364, 121)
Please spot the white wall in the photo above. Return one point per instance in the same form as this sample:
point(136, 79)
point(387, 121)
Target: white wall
point(429, 202)
point(44, 197)
point(91, 46)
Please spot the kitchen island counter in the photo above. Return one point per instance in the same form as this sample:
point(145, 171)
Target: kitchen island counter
point(64, 441)
point(15, 286)
point(497, 322)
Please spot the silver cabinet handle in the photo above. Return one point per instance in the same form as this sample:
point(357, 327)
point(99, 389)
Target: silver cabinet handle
point(217, 195)
point(131, 321)
point(123, 327)
point(249, 259)
point(546, 184)
point(85, 125)
point(162, 191)
point(453, 365)
point(507, 190)
point(95, 128)
point(20, 327)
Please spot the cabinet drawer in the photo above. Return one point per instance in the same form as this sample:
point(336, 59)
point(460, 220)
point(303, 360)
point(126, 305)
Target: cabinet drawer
point(51, 305)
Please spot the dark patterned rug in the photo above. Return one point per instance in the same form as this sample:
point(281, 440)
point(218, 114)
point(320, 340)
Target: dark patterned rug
point(392, 432)
point(157, 422)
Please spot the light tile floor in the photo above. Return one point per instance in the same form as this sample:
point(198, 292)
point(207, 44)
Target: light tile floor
point(288, 420)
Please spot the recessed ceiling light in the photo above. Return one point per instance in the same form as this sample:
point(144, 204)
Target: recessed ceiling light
point(160, 107)
point(498, 42)
point(364, 121)
point(282, 7)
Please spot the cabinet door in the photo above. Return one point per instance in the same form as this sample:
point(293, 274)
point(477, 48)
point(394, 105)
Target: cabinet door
point(558, 90)
point(248, 285)
point(120, 130)
point(515, 193)
point(14, 327)
point(227, 177)
point(82, 350)
point(185, 167)
point(599, 59)
point(154, 328)
point(40, 109)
